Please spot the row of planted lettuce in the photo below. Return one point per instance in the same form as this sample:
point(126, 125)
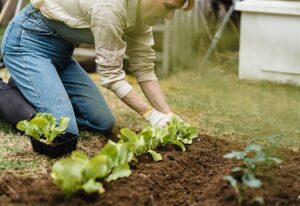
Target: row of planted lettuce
point(79, 172)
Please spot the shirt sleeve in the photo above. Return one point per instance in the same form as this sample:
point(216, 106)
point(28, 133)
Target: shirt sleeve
point(107, 29)
point(140, 52)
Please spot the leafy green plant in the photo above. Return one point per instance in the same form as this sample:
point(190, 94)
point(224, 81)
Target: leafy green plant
point(43, 125)
point(177, 133)
point(240, 186)
point(252, 156)
point(244, 176)
point(78, 172)
point(142, 143)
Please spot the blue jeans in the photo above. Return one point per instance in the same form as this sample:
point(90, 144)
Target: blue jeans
point(41, 64)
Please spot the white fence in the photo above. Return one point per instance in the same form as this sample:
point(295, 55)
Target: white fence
point(183, 36)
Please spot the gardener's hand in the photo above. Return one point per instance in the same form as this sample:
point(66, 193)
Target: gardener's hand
point(156, 118)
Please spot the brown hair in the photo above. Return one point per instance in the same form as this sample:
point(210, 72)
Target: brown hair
point(190, 5)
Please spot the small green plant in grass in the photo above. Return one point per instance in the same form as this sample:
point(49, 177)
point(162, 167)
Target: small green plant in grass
point(43, 125)
point(244, 176)
point(79, 172)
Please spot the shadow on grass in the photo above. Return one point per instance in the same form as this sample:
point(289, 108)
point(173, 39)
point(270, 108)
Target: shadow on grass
point(7, 128)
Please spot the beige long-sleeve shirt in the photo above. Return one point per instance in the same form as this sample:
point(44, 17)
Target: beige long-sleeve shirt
point(116, 29)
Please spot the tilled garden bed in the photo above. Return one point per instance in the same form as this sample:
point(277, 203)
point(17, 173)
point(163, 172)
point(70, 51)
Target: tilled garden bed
point(192, 178)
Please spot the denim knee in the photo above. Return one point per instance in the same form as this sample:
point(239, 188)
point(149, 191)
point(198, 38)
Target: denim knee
point(99, 123)
point(105, 126)
point(108, 125)
point(73, 128)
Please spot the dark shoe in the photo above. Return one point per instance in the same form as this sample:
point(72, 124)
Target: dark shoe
point(13, 105)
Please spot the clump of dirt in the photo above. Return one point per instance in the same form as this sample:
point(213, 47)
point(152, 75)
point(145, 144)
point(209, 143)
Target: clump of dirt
point(192, 178)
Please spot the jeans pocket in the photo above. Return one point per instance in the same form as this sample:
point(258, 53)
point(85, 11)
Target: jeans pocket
point(34, 24)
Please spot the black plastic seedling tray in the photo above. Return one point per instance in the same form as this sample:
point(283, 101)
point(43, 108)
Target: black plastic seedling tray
point(62, 145)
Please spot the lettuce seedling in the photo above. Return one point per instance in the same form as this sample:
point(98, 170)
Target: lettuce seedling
point(177, 132)
point(142, 143)
point(110, 164)
point(43, 125)
point(252, 156)
point(68, 173)
point(248, 181)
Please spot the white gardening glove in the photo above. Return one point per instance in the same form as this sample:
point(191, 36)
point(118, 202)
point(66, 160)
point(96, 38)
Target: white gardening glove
point(156, 118)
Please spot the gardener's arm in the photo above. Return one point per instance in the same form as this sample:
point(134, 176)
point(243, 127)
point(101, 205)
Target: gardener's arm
point(107, 28)
point(142, 57)
point(153, 116)
point(110, 50)
point(154, 95)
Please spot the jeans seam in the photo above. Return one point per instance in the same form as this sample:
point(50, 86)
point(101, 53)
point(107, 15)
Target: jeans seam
point(18, 35)
point(79, 107)
point(37, 92)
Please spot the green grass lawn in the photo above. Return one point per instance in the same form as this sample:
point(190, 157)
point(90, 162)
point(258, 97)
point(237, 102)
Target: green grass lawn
point(213, 99)
point(220, 104)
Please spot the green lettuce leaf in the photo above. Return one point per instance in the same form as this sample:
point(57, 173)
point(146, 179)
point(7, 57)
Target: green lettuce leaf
point(97, 167)
point(155, 155)
point(68, 173)
point(119, 171)
point(92, 186)
point(43, 125)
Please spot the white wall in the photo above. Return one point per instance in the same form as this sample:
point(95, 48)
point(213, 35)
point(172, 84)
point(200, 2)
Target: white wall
point(270, 41)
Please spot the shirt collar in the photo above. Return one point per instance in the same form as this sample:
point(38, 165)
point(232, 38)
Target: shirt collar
point(132, 9)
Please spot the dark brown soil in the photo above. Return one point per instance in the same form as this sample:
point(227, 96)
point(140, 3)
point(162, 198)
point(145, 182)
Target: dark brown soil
point(184, 179)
